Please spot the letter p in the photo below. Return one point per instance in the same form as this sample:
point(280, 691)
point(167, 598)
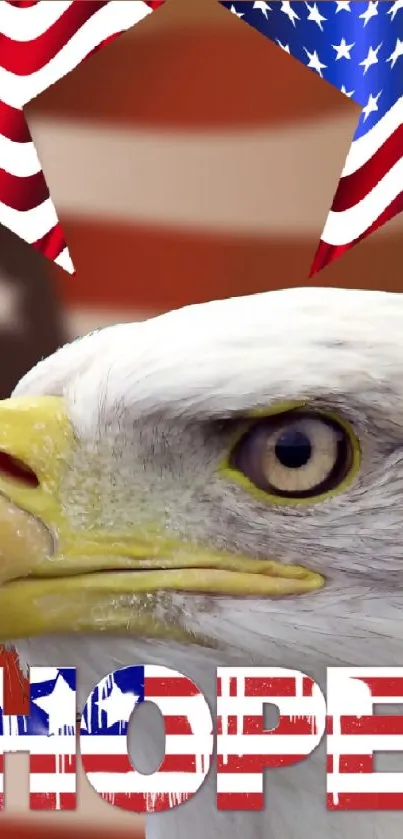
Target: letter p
point(245, 747)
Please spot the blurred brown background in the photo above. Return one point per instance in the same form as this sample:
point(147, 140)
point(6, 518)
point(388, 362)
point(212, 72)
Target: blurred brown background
point(202, 166)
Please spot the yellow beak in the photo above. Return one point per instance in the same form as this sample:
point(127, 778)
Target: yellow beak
point(56, 579)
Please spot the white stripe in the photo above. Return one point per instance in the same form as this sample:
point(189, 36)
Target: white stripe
point(227, 673)
point(365, 782)
point(42, 674)
point(361, 150)
point(346, 226)
point(339, 674)
point(173, 706)
point(64, 259)
point(243, 782)
point(176, 744)
point(32, 224)
point(160, 782)
point(57, 782)
point(18, 159)
point(363, 744)
point(255, 744)
point(303, 706)
point(199, 179)
point(27, 24)
point(61, 745)
point(116, 16)
point(156, 671)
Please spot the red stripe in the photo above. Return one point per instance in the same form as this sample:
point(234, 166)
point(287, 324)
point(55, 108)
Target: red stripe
point(277, 687)
point(179, 79)
point(13, 124)
point(24, 193)
point(261, 687)
point(221, 265)
point(52, 243)
point(353, 188)
point(26, 57)
point(52, 801)
point(53, 764)
point(366, 801)
point(139, 802)
point(247, 764)
point(255, 725)
point(240, 801)
point(326, 253)
point(121, 764)
point(169, 686)
point(377, 724)
point(381, 686)
point(346, 764)
point(177, 725)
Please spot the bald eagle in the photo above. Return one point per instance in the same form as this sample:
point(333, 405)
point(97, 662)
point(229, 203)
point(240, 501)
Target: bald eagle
point(222, 484)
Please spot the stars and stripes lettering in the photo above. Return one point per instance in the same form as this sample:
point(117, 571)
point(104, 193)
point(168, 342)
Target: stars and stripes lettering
point(246, 746)
point(188, 739)
point(358, 48)
point(39, 44)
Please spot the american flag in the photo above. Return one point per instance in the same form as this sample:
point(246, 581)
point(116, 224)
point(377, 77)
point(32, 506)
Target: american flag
point(39, 43)
point(48, 732)
point(358, 48)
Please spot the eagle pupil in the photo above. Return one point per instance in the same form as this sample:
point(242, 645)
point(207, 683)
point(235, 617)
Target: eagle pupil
point(293, 449)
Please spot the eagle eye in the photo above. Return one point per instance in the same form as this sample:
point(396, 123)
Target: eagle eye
point(296, 455)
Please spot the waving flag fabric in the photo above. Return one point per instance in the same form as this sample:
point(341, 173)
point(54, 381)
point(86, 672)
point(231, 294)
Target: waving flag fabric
point(39, 43)
point(358, 48)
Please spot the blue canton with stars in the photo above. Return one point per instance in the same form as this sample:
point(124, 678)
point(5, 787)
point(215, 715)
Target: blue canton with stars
point(357, 47)
point(39, 720)
point(108, 710)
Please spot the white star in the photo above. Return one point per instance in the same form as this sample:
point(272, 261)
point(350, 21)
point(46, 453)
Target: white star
point(10, 299)
point(397, 53)
point(60, 706)
point(346, 92)
point(343, 7)
point(315, 15)
point(371, 11)
point(262, 6)
point(234, 12)
point(371, 106)
point(287, 9)
point(343, 49)
point(118, 706)
point(314, 62)
point(284, 47)
point(372, 58)
point(395, 8)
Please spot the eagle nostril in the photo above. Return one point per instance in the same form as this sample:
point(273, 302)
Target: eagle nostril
point(11, 467)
